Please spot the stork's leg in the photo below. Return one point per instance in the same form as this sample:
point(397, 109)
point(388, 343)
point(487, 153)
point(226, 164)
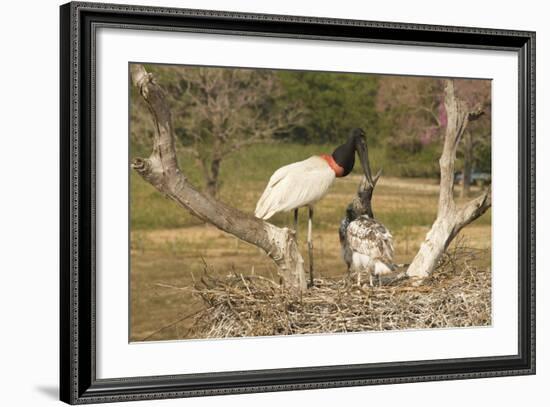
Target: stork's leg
point(296, 223)
point(310, 245)
point(371, 269)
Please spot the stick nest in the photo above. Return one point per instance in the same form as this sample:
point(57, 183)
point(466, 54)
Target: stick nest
point(458, 294)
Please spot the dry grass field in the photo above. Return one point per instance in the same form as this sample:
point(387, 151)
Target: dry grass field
point(170, 250)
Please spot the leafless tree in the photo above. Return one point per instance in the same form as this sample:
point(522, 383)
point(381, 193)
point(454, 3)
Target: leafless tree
point(450, 217)
point(221, 111)
point(162, 171)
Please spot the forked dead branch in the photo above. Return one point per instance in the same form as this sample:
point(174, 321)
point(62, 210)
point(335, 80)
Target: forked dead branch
point(450, 217)
point(162, 171)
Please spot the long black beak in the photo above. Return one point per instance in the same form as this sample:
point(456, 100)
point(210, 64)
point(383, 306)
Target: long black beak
point(361, 148)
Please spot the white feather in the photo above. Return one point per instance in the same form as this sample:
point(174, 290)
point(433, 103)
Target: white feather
point(367, 246)
point(295, 185)
point(369, 237)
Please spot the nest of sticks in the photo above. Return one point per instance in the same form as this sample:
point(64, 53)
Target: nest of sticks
point(458, 294)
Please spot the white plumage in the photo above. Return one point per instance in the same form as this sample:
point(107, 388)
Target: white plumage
point(295, 185)
point(367, 247)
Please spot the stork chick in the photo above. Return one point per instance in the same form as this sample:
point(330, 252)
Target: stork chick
point(367, 248)
point(367, 245)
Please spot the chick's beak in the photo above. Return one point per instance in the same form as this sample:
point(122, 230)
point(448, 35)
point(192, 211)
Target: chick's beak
point(361, 148)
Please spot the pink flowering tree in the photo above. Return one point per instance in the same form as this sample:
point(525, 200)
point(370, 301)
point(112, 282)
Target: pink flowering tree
point(415, 117)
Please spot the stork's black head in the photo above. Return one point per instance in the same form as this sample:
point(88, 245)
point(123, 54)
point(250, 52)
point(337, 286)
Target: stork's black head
point(344, 155)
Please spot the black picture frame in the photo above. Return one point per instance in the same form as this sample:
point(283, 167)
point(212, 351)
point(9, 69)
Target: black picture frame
point(78, 382)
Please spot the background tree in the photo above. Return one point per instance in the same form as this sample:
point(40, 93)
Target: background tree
point(476, 144)
point(219, 111)
point(413, 119)
point(334, 104)
point(411, 111)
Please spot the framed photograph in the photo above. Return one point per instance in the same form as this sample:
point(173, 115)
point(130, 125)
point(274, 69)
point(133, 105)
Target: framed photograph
point(254, 203)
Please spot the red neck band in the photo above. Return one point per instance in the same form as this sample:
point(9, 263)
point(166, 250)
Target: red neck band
point(339, 171)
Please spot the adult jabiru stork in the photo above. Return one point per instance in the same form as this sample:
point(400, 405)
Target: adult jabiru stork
point(305, 182)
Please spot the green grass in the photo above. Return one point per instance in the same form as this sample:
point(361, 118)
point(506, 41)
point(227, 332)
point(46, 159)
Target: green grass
point(243, 178)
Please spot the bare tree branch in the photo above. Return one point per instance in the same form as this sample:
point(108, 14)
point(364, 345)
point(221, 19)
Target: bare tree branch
point(162, 171)
point(450, 218)
point(191, 151)
point(432, 114)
